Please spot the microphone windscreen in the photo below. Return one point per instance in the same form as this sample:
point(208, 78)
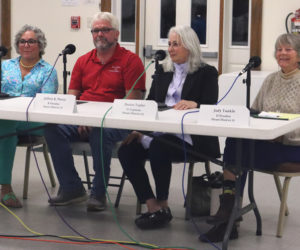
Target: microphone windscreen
point(160, 55)
point(3, 51)
point(255, 60)
point(70, 49)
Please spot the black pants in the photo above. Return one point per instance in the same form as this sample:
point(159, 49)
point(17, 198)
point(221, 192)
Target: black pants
point(163, 150)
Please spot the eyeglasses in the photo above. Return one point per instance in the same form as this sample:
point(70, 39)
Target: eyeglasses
point(29, 42)
point(287, 50)
point(103, 30)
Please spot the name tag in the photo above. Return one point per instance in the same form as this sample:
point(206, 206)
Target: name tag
point(55, 103)
point(228, 115)
point(134, 109)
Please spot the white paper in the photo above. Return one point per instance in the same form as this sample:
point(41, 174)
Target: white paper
point(134, 109)
point(54, 103)
point(224, 115)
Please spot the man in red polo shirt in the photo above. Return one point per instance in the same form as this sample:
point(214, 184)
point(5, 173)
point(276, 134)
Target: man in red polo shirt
point(103, 74)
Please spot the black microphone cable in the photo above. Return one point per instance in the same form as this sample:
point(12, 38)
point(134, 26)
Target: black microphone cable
point(183, 174)
point(34, 153)
point(192, 153)
point(27, 115)
point(36, 161)
point(102, 160)
point(41, 87)
point(44, 184)
point(102, 164)
point(228, 91)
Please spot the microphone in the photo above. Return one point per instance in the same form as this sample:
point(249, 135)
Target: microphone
point(69, 49)
point(3, 51)
point(160, 55)
point(254, 62)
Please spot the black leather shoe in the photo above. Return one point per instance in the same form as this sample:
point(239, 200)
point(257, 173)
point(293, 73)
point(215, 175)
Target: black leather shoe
point(154, 220)
point(216, 234)
point(63, 198)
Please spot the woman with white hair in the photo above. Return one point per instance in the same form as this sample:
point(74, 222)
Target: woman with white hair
point(280, 92)
point(183, 82)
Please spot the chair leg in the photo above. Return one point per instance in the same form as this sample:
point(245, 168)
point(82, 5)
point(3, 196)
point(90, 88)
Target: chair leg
point(26, 173)
point(279, 190)
point(48, 165)
point(188, 201)
point(283, 206)
point(123, 178)
point(87, 171)
point(207, 168)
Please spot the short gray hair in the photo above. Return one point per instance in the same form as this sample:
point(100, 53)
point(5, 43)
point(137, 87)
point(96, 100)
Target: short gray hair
point(108, 17)
point(191, 42)
point(40, 36)
point(289, 39)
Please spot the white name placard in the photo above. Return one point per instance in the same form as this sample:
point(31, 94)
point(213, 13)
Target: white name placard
point(230, 115)
point(55, 103)
point(134, 109)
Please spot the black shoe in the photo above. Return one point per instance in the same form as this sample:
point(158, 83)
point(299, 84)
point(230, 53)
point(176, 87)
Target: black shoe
point(63, 198)
point(216, 234)
point(95, 204)
point(154, 220)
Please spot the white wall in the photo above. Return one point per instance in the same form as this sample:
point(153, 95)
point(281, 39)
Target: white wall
point(54, 20)
point(274, 15)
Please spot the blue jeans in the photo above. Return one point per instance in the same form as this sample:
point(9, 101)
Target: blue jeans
point(59, 138)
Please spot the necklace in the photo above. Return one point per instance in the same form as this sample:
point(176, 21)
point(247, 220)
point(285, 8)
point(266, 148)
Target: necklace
point(27, 66)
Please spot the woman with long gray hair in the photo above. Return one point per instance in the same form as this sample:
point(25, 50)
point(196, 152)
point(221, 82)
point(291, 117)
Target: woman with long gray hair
point(183, 82)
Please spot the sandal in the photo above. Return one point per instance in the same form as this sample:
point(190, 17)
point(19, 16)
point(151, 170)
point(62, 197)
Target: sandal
point(11, 196)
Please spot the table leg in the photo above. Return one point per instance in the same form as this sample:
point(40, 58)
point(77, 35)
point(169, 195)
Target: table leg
point(252, 201)
point(237, 211)
point(234, 214)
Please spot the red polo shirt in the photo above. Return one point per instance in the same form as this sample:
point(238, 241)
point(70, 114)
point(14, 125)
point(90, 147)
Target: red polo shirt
point(109, 81)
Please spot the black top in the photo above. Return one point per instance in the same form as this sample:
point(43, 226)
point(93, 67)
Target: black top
point(200, 87)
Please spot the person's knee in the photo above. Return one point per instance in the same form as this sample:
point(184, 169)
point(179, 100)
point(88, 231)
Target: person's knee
point(50, 132)
point(131, 154)
point(157, 150)
point(124, 152)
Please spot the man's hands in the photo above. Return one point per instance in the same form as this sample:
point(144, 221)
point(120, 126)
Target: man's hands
point(84, 132)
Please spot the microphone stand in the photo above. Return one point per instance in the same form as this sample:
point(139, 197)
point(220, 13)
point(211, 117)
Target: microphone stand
point(65, 73)
point(2, 95)
point(248, 84)
point(156, 69)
